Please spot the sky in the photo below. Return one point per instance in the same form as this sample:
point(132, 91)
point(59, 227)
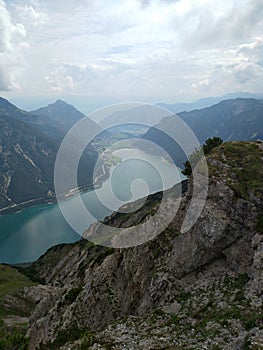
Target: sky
point(105, 51)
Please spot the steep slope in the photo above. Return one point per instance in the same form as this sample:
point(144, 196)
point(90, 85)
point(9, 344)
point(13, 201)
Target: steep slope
point(44, 126)
point(198, 289)
point(239, 119)
point(61, 115)
point(28, 149)
point(27, 160)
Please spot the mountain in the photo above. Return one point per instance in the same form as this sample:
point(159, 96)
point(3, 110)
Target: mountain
point(147, 114)
point(238, 119)
point(27, 159)
point(61, 115)
point(28, 149)
point(188, 290)
point(204, 102)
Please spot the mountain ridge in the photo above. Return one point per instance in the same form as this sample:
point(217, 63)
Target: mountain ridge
point(184, 288)
point(29, 144)
point(238, 119)
point(205, 102)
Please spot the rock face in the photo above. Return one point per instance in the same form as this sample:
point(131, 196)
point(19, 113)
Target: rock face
point(197, 289)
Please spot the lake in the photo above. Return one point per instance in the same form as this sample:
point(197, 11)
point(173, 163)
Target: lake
point(26, 235)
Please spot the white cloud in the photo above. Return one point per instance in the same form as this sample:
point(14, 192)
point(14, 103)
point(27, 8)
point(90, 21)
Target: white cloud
point(30, 16)
point(59, 80)
point(210, 24)
point(133, 49)
point(12, 45)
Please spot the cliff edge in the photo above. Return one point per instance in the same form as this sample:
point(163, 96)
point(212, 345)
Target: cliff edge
point(201, 289)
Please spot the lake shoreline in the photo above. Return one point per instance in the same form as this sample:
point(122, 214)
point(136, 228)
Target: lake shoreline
point(52, 199)
point(99, 180)
point(16, 208)
point(36, 228)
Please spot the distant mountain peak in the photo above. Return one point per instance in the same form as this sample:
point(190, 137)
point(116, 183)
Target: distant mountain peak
point(60, 102)
point(62, 115)
point(5, 104)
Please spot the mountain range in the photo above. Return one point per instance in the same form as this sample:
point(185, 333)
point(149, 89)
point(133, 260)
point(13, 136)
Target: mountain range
point(28, 148)
point(194, 289)
point(151, 115)
point(30, 140)
point(200, 289)
point(205, 102)
point(237, 119)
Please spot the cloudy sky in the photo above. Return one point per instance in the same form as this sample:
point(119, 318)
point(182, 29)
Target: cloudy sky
point(126, 50)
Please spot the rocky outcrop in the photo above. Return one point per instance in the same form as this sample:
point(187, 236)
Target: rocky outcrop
point(201, 280)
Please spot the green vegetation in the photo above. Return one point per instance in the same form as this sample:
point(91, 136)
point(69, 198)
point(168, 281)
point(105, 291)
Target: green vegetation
point(174, 320)
point(70, 335)
point(249, 319)
point(209, 145)
point(187, 171)
point(11, 283)
point(87, 341)
point(242, 162)
point(11, 280)
point(113, 160)
point(12, 340)
point(72, 295)
point(95, 255)
point(238, 310)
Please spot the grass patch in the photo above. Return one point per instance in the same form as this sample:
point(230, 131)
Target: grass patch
point(245, 170)
point(70, 335)
point(13, 340)
point(11, 280)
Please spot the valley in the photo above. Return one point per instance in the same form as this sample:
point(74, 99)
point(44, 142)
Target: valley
point(187, 289)
point(24, 236)
point(131, 175)
point(193, 289)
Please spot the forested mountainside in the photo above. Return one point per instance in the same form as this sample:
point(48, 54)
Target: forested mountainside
point(192, 290)
point(238, 119)
point(28, 148)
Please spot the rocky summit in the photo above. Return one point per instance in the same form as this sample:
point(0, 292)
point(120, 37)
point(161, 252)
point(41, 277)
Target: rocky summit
point(200, 289)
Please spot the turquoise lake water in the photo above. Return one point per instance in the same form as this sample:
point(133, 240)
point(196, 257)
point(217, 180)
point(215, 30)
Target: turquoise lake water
point(26, 235)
